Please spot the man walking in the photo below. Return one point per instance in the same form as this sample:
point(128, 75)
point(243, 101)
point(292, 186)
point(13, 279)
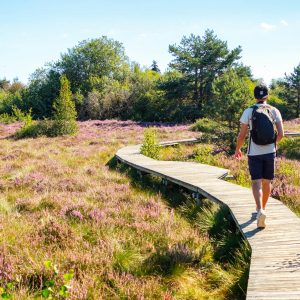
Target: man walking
point(266, 130)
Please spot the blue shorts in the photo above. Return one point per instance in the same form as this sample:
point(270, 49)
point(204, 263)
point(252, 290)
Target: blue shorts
point(262, 166)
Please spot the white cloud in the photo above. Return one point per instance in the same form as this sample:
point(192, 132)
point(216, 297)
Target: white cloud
point(284, 22)
point(267, 27)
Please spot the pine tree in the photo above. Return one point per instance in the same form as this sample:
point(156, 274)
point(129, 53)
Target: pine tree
point(64, 110)
point(293, 86)
point(64, 106)
point(154, 66)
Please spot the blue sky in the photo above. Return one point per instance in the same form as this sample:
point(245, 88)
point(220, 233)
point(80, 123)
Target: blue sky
point(34, 32)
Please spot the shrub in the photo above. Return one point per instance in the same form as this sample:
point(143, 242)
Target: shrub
point(90, 108)
point(205, 125)
point(150, 146)
point(203, 154)
point(64, 107)
point(216, 133)
point(7, 119)
point(61, 127)
point(64, 111)
point(64, 122)
point(29, 127)
point(290, 148)
point(49, 128)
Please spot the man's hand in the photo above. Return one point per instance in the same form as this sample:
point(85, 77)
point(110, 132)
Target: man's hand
point(240, 141)
point(238, 154)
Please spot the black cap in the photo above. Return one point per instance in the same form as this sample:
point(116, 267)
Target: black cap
point(261, 91)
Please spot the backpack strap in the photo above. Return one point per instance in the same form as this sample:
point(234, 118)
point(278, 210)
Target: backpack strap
point(254, 108)
point(273, 121)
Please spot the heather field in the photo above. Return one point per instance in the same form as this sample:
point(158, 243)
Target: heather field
point(74, 225)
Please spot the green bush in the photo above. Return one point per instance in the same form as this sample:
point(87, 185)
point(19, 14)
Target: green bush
point(28, 130)
point(150, 146)
point(49, 128)
point(64, 122)
point(17, 115)
point(64, 112)
point(7, 119)
point(61, 127)
point(64, 106)
point(216, 133)
point(203, 154)
point(205, 125)
point(290, 148)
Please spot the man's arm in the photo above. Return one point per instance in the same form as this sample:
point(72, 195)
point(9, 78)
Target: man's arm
point(280, 131)
point(240, 140)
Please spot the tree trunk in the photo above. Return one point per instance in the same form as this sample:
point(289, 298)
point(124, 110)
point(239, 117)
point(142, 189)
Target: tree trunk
point(196, 95)
point(201, 92)
point(298, 103)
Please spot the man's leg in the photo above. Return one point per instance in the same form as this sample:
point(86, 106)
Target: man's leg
point(268, 175)
point(257, 193)
point(266, 191)
point(256, 168)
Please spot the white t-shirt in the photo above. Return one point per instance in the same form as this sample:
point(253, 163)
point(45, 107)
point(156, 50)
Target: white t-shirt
point(246, 119)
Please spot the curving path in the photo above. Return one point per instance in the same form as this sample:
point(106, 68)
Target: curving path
point(275, 261)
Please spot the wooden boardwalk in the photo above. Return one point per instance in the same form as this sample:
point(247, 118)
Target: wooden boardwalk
point(275, 261)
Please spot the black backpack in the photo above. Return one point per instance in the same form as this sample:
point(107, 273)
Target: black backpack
point(263, 126)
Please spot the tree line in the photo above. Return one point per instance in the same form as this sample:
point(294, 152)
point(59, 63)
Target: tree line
point(204, 79)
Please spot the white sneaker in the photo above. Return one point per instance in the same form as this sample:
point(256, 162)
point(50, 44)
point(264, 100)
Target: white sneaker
point(261, 219)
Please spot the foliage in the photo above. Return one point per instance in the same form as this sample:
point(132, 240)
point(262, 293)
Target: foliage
point(64, 117)
point(205, 80)
point(290, 148)
point(7, 119)
point(145, 99)
point(5, 292)
point(43, 89)
point(232, 94)
point(203, 154)
point(154, 67)
point(90, 108)
point(176, 99)
point(4, 84)
point(28, 125)
point(205, 125)
point(287, 91)
point(150, 146)
point(201, 60)
point(216, 133)
point(51, 288)
point(281, 105)
point(64, 107)
point(292, 82)
point(105, 85)
point(94, 64)
point(64, 110)
point(8, 100)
